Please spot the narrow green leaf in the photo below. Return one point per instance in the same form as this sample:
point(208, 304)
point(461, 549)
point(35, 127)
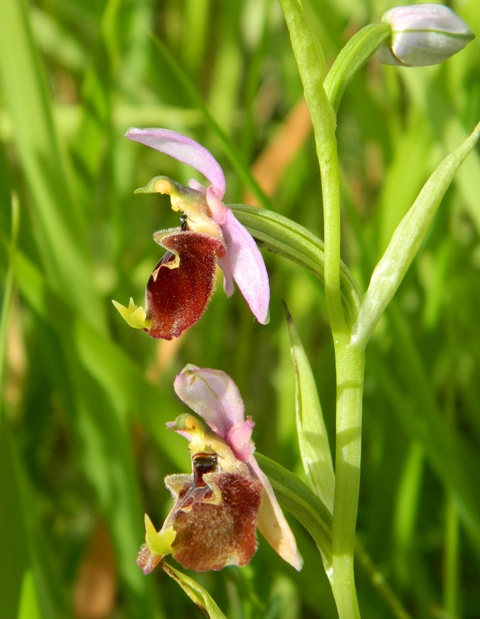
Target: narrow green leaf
point(432, 94)
point(312, 433)
point(111, 368)
point(451, 454)
point(29, 607)
point(291, 240)
point(302, 503)
point(15, 555)
point(23, 547)
point(8, 290)
point(60, 230)
point(407, 238)
point(195, 592)
point(92, 392)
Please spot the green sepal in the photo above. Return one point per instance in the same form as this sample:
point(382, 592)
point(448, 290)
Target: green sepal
point(133, 315)
point(159, 542)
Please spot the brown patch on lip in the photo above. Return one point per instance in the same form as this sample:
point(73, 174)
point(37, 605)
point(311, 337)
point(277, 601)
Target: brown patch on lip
point(215, 523)
point(176, 297)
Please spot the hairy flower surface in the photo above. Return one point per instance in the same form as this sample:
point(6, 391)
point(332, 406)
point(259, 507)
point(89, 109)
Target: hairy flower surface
point(219, 506)
point(181, 284)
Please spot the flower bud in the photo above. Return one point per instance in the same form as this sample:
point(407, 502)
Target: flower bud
point(423, 34)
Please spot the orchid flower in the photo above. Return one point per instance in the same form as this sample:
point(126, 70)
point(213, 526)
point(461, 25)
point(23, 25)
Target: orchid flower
point(180, 286)
point(218, 508)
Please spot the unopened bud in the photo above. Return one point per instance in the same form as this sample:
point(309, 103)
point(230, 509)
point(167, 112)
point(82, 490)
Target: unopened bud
point(423, 34)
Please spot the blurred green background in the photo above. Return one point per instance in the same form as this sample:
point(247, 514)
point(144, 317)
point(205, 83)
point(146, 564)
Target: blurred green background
point(83, 445)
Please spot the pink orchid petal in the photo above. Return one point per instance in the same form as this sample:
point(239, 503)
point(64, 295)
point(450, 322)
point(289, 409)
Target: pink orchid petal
point(196, 185)
point(218, 208)
point(185, 150)
point(244, 263)
point(228, 285)
point(213, 395)
point(240, 439)
point(273, 524)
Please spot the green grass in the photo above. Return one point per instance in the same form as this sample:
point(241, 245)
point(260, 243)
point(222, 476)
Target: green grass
point(85, 399)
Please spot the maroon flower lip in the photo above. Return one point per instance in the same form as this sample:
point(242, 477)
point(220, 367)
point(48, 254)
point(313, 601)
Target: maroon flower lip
point(215, 521)
point(180, 286)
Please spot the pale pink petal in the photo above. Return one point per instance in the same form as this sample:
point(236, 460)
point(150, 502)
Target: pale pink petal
point(244, 263)
point(196, 185)
point(228, 285)
point(240, 439)
point(273, 524)
point(213, 395)
point(218, 208)
point(185, 150)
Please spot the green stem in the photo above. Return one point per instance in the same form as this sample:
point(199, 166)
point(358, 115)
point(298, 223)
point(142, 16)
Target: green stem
point(310, 60)
point(359, 49)
point(350, 362)
point(328, 161)
point(322, 98)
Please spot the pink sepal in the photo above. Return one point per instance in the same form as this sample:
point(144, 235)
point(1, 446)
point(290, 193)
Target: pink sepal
point(244, 263)
point(183, 149)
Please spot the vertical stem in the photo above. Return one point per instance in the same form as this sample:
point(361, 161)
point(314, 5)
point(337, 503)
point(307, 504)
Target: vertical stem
point(350, 363)
point(349, 359)
point(328, 161)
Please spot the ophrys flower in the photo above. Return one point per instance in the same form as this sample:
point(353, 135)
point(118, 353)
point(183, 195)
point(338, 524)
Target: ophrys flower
point(180, 286)
point(219, 506)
